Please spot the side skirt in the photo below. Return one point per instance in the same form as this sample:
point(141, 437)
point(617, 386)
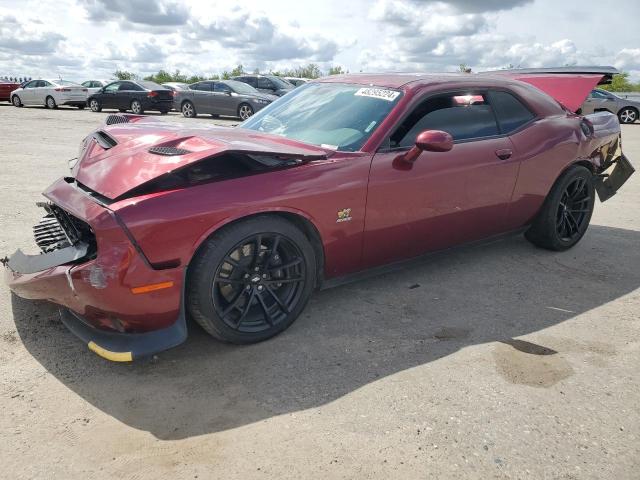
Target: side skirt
point(396, 266)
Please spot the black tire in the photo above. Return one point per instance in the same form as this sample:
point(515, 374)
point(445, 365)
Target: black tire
point(245, 111)
point(122, 110)
point(50, 102)
point(15, 100)
point(215, 115)
point(95, 105)
point(566, 212)
point(80, 107)
point(240, 297)
point(164, 112)
point(136, 107)
point(628, 115)
point(188, 109)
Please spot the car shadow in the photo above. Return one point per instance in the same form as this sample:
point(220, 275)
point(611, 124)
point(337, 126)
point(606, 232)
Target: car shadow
point(348, 337)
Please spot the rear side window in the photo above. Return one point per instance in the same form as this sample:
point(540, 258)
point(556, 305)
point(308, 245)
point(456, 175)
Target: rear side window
point(463, 116)
point(511, 113)
point(202, 86)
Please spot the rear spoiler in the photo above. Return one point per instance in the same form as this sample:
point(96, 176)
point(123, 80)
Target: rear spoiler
point(568, 85)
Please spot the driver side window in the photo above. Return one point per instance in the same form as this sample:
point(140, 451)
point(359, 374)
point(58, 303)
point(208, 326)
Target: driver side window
point(265, 83)
point(464, 116)
point(112, 87)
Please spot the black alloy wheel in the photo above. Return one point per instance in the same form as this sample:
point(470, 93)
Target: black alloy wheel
point(573, 209)
point(251, 280)
point(259, 283)
point(566, 212)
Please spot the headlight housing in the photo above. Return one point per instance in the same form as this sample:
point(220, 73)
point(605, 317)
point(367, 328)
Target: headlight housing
point(261, 101)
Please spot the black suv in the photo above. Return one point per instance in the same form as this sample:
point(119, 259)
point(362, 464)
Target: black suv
point(267, 83)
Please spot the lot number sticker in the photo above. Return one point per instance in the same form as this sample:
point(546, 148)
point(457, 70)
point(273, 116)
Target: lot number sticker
point(381, 93)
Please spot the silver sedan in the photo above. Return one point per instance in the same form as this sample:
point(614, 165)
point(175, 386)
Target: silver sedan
point(224, 97)
point(601, 101)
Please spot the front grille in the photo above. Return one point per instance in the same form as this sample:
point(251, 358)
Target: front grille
point(114, 119)
point(59, 229)
point(168, 151)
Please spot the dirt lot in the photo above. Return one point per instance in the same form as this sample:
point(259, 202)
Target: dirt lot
point(502, 361)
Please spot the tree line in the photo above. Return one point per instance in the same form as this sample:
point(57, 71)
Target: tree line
point(163, 76)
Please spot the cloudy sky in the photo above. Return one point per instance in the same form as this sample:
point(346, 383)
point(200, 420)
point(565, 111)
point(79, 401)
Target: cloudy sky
point(81, 39)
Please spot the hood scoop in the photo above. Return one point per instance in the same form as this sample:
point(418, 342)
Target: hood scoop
point(168, 151)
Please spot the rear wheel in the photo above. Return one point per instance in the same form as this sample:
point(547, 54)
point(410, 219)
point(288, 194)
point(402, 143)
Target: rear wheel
point(136, 107)
point(15, 100)
point(251, 280)
point(566, 213)
point(50, 102)
point(188, 109)
point(94, 105)
point(245, 111)
point(628, 115)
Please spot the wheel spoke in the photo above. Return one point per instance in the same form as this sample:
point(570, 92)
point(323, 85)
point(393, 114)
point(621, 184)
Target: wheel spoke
point(246, 309)
point(274, 249)
point(292, 263)
point(277, 281)
point(234, 304)
point(280, 303)
point(236, 264)
point(257, 245)
point(233, 281)
point(265, 309)
point(575, 227)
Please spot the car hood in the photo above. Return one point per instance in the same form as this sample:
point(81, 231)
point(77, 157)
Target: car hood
point(117, 158)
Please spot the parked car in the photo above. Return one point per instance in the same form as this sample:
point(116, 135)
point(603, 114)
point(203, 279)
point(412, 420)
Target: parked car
point(176, 86)
point(135, 95)
point(6, 87)
point(93, 86)
point(50, 93)
point(604, 101)
point(296, 81)
point(224, 97)
point(267, 84)
point(236, 227)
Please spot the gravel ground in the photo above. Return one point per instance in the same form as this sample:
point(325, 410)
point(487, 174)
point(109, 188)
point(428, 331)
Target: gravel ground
point(502, 361)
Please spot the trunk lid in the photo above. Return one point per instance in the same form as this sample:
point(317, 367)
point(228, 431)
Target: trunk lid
point(122, 156)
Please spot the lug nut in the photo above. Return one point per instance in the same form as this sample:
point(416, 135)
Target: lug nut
point(256, 269)
point(260, 287)
point(248, 287)
point(264, 275)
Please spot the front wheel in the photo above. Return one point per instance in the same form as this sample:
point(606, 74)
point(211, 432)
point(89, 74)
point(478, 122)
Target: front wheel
point(51, 103)
point(188, 110)
point(245, 111)
point(15, 100)
point(94, 105)
point(628, 115)
point(251, 280)
point(136, 107)
point(566, 213)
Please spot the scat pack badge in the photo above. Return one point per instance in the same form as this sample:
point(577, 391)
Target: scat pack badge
point(344, 215)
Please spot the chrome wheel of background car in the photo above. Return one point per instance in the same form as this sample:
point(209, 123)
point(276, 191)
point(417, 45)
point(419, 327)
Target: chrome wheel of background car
point(628, 115)
point(16, 101)
point(259, 283)
point(188, 110)
point(94, 105)
point(573, 210)
point(51, 103)
point(136, 107)
point(245, 111)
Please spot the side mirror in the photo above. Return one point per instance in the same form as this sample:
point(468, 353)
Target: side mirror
point(428, 141)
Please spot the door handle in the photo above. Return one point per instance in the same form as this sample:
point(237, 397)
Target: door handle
point(504, 153)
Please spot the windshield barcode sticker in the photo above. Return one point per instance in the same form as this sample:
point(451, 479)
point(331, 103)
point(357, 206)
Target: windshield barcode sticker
point(381, 93)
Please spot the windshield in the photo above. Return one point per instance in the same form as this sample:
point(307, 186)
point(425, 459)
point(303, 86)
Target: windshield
point(241, 87)
point(280, 83)
point(333, 115)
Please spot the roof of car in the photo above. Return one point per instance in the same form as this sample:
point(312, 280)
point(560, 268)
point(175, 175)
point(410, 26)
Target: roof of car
point(398, 80)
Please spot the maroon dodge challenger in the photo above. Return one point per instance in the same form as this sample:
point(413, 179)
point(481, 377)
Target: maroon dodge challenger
point(236, 227)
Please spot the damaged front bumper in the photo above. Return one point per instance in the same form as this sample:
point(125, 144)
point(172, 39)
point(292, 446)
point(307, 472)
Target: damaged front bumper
point(90, 266)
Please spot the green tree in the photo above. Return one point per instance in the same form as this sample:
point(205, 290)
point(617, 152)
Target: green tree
point(621, 83)
point(337, 70)
point(239, 70)
point(464, 68)
point(124, 75)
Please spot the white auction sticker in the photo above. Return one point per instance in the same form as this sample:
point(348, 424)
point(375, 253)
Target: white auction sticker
point(381, 93)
